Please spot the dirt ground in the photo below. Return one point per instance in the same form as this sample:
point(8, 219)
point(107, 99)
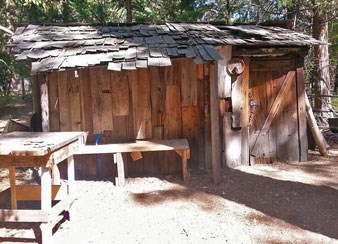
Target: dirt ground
point(16, 108)
point(279, 203)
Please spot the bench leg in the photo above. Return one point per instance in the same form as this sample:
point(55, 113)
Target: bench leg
point(46, 233)
point(120, 179)
point(185, 170)
point(12, 181)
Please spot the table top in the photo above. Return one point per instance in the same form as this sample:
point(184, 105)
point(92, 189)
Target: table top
point(36, 143)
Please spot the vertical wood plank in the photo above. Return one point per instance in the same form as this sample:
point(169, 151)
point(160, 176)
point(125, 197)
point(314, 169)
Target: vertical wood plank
point(237, 102)
point(173, 121)
point(107, 159)
point(141, 104)
point(201, 119)
point(73, 84)
point(188, 82)
point(190, 131)
point(106, 93)
point(224, 79)
point(86, 104)
point(120, 131)
point(245, 113)
point(200, 72)
point(215, 131)
point(12, 181)
point(101, 99)
point(302, 134)
point(54, 120)
point(132, 75)
point(272, 87)
point(258, 115)
point(207, 117)
point(157, 85)
point(232, 143)
point(173, 116)
point(64, 109)
point(44, 104)
point(292, 120)
point(120, 93)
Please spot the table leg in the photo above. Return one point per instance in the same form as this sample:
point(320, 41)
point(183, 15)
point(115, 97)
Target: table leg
point(185, 170)
point(13, 187)
point(46, 204)
point(46, 189)
point(46, 233)
point(120, 179)
point(71, 174)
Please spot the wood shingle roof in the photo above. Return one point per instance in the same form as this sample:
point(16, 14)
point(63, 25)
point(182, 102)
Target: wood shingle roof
point(139, 46)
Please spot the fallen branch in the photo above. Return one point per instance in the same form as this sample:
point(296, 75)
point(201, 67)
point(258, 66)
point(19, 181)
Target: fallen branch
point(318, 136)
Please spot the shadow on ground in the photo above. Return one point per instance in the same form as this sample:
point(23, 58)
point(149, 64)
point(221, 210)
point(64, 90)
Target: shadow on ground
point(310, 207)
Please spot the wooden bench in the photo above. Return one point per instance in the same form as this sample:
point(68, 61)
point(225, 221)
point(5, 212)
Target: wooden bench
point(180, 146)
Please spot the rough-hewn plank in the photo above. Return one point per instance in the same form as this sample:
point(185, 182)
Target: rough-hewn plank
point(215, 128)
point(86, 104)
point(157, 86)
point(201, 119)
point(232, 143)
point(303, 145)
point(173, 122)
point(101, 100)
point(64, 103)
point(74, 99)
point(188, 82)
point(141, 104)
point(224, 79)
point(120, 93)
point(190, 126)
point(207, 118)
point(54, 123)
point(245, 114)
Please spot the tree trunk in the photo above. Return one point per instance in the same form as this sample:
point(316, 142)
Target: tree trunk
point(32, 14)
point(65, 11)
point(129, 11)
point(322, 84)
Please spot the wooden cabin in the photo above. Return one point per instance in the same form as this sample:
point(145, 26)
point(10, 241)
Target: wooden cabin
point(235, 92)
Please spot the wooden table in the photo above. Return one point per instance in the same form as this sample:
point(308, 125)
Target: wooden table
point(44, 150)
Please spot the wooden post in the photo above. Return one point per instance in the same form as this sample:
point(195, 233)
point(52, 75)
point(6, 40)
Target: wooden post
point(215, 130)
point(120, 179)
point(245, 113)
point(71, 174)
point(46, 204)
point(302, 132)
point(13, 187)
point(318, 136)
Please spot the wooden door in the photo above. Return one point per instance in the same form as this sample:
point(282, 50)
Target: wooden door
point(273, 119)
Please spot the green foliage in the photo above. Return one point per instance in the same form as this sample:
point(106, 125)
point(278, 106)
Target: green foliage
point(160, 11)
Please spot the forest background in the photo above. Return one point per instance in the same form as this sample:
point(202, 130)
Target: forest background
point(318, 18)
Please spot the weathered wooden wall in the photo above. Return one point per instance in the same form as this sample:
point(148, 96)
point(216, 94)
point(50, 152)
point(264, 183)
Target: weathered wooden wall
point(155, 103)
point(261, 112)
